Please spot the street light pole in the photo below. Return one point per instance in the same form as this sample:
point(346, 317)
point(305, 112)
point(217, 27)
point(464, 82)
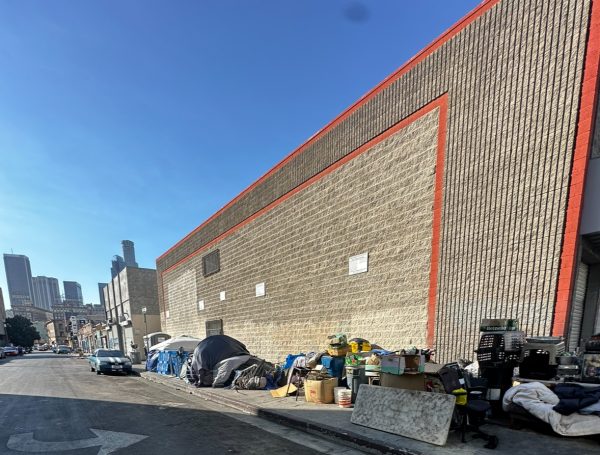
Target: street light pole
point(144, 310)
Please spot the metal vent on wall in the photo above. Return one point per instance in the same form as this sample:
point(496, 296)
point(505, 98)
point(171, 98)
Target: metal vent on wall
point(214, 327)
point(211, 263)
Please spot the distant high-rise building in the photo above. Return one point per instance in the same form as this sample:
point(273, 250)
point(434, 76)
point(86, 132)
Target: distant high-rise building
point(73, 291)
point(45, 291)
point(3, 337)
point(18, 277)
point(129, 253)
point(118, 264)
point(101, 287)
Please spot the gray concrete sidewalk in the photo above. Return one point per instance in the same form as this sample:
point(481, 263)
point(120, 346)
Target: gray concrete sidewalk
point(333, 422)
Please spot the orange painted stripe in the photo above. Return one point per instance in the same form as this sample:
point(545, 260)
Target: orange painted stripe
point(583, 143)
point(437, 221)
point(410, 64)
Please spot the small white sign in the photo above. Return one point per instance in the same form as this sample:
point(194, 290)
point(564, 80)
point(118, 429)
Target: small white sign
point(358, 264)
point(167, 314)
point(200, 305)
point(260, 289)
point(222, 295)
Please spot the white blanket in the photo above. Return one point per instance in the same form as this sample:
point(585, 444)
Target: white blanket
point(539, 400)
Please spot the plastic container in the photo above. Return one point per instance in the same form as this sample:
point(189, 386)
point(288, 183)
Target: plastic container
point(345, 398)
point(336, 394)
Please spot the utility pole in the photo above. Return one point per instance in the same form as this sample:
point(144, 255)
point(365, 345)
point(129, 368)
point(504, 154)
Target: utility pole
point(144, 310)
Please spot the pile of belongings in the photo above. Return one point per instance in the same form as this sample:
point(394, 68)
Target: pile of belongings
point(222, 361)
point(337, 345)
point(571, 409)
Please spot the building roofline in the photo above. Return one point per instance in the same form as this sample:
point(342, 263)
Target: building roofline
point(478, 11)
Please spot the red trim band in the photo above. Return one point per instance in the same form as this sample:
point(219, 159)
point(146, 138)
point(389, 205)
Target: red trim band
point(583, 143)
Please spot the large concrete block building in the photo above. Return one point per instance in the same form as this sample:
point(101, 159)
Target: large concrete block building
point(453, 191)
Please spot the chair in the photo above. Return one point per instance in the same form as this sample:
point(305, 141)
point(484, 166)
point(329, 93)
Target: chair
point(471, 415)
point(302, 372)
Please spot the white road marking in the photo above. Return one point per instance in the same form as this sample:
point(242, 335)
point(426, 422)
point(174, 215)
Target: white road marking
point(109, 442)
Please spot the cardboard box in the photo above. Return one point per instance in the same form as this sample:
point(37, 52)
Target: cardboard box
point(320, 391)
point(390, 364)
point(411, 363)
point(405, 381)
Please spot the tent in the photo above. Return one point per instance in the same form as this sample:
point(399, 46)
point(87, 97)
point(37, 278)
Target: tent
point(209, 353)
point(173, 344)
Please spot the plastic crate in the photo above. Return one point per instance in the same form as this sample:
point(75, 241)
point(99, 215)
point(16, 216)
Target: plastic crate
point(493, 355)
point(514, 341)
point(500, 347)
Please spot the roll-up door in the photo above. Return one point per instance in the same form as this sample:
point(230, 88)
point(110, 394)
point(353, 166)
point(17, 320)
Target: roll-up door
point(577, 306)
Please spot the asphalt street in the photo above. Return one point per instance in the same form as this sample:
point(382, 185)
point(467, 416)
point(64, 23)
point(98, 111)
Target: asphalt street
point(53, 404)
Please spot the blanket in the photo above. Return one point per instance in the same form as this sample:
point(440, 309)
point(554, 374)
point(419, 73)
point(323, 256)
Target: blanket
point(538, 400)
point(574, 397)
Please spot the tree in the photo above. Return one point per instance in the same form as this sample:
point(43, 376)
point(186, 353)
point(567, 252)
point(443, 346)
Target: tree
point(21, 331)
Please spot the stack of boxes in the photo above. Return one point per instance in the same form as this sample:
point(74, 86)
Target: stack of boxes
point(403, 371)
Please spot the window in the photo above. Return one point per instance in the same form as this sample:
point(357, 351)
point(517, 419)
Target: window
point(214, 327)
point(211, 263)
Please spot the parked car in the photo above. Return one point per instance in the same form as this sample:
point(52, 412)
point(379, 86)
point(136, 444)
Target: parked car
point(20, 350)
point(109, 361)
point(11, 350)
point(62, 349)
point(44, 347)
point(2, 353)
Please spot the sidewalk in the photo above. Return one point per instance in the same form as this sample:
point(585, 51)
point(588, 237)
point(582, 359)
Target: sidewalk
point(333, 422)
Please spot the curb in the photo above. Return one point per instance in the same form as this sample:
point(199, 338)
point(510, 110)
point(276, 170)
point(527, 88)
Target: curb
point(348, 438)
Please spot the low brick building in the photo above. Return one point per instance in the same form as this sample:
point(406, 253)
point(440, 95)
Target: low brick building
point(451, 192)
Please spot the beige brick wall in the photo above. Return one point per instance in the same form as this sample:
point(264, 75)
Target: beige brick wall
point(379, 202)
point(513, 80)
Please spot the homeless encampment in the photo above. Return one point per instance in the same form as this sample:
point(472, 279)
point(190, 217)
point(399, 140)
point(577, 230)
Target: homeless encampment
point(185, 343)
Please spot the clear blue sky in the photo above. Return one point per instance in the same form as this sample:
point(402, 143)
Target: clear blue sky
point(139, 119)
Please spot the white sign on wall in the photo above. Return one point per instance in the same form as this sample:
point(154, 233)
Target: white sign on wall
point(260, 289)
point(222, 296)
point(167, 314)
point(358, 264)
point(200, 305)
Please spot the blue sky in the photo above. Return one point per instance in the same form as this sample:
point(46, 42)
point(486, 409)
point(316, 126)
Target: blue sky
point(139, 119)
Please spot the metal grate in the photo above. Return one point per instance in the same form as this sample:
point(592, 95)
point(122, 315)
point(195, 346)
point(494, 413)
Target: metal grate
point(211, 263)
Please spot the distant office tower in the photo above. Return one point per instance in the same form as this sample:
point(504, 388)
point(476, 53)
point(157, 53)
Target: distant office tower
point(3, 337)
point(118, 264)
point(73, 291)
point(129, 253)
point(18, 277)
point(2, 309)
point(101, 287)
point(46, 292)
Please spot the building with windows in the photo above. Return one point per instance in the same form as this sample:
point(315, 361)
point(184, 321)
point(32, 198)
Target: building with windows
point(131, 301)
point(72, 292)
point(46, 292)
point(57, 332)
point(453, 191)
point(101, 287)
point(117, 264)
point(18, 278)
point(129, 253)
point(34, 314)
